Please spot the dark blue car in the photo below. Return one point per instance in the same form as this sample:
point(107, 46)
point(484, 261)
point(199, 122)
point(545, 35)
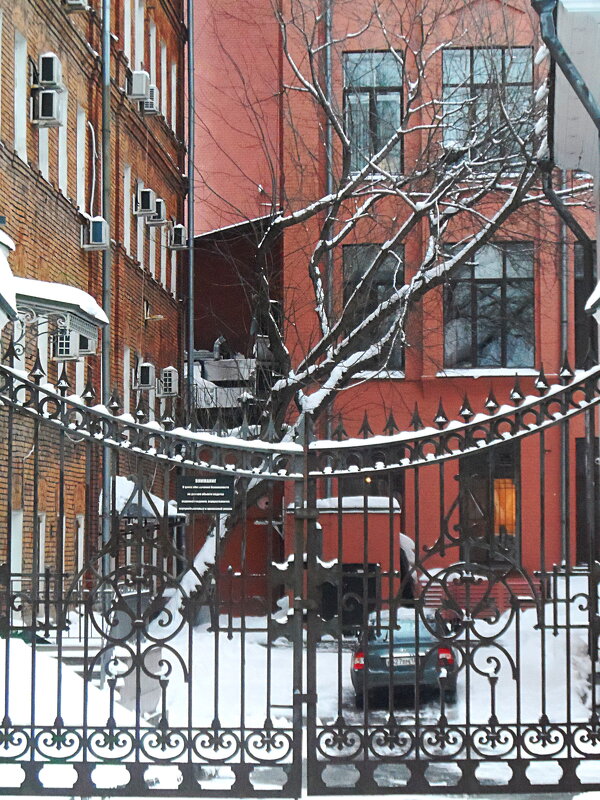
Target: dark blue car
point(402, 654)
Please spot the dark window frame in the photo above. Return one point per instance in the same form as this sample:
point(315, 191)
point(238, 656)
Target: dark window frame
point(372, 92)
point(585, 326)
point(479, 541)
point(348, 287)
point(503, 283)
point(476, 87)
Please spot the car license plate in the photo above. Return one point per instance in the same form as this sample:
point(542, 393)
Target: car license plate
point(401, 661)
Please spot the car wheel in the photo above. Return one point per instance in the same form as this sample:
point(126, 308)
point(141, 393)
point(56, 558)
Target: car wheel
point(359, 700)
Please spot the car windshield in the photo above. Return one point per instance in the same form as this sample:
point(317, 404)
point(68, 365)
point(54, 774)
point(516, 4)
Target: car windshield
point(400, 625)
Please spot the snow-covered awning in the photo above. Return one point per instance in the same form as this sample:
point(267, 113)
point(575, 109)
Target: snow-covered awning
point(8, 296)
point(127, 501)
point(46, 297)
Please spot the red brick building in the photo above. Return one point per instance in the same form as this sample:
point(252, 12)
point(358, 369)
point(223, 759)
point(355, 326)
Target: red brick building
point(51, 190)
point(516, 308)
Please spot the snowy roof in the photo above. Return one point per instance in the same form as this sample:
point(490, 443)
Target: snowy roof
point(127, 501)
point(59, 297)
point(8, 295)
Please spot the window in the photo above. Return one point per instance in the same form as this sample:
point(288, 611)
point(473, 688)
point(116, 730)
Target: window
point(80, 156)
point(153, 79)
point(389, 275)
point(43, 161)
point(127, 29)
point(21, 96)
point(489, 491)
point(127, 208)
point(163, 256)
point(174, 97)
point(126, 380)
point(139, 33)
point(152, 251)
point(373, 107)
point(163, 79)
point(586, 327)
point(488, 309)
point(63, 156)
point(173, 272)
point(476, 82)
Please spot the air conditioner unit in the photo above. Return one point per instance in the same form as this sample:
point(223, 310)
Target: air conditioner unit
point(94, 234)
point(87, 345)
point(160, 217)
point(138, 85)
point(46, 108)
point(145, 202)
point(65, 345)
point(168, 383)
point(178, 238)
point(151, 105)
point(76, 5)
point(49, 70)
point(145, 376)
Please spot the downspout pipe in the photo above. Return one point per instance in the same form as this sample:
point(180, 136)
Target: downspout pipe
point(546, 10)
point(106, 262)
point(191, 212)
point(329, 170)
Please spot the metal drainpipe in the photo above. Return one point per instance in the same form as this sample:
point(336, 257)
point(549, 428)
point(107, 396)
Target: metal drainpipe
point(546, 10)
point(191, 167)
point(328, 183)
point(564, 343)
point(106, 269)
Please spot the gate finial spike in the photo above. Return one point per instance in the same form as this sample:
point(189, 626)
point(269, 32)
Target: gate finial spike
point(63, 384)
point(466, 412)
point(591, 359)
point(89, 394)
point(10, 354)
point(516, 395)
point(390, 426)
point(114, 403)
point(365, 429)
point(140, 412)
point(166, 419)
point(440, 418)
point(541, 384)
point(217, 428)
point(566, 373)
point(245, 427)
point(270, 434)
point(416, 421)
point(491, 403)
point(339, 432)
point(37, 371)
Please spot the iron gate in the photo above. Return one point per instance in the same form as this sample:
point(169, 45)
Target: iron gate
point(420, 608)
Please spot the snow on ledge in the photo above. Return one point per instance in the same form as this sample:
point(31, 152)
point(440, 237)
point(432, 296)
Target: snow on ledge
point(62, 294)
point(483, 372)
point(356, 503)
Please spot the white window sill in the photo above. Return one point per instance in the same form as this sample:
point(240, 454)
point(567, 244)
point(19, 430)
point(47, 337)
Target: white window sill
point(379, 374)
point(482, 372)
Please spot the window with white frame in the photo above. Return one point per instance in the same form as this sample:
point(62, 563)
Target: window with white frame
point(152, 57)
point(481, 87)
point(126, 380)
point(139, 25)
point(173, 272)
point(489, 309)
point(63, 150)
point(163, 255)
point(152, 251)
point(43, 162)
point(163, 79)
point(373, 107)
point(174, 96)
point(127, 200)
point(127, 29)
point(20, 96)
point(80, 156)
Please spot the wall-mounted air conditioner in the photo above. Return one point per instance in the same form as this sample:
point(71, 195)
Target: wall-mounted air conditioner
point(94, 234)
point(145, 202)
point(87, 345)
point(49, 70)
point(46, 108)
point(138, 85)
point(76, 5)
point(145, 376)
point(151, 105)
point(178, 237)
point(160, 216)
point(168, 383)
point(65, 345)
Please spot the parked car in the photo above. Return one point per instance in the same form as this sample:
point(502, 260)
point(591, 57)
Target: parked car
point(387, 652)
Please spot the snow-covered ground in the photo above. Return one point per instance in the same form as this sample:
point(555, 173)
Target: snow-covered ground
point(233, 680)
